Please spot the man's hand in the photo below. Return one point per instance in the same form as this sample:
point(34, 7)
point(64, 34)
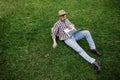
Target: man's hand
point(55, 45)
point(70, 26)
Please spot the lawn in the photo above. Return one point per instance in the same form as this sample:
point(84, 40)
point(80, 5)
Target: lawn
point(26, 51)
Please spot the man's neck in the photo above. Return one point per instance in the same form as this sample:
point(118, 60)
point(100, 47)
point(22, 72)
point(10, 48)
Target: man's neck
point(62, 20)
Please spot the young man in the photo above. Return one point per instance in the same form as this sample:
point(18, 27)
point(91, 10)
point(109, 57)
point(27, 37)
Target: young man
point(61, 29)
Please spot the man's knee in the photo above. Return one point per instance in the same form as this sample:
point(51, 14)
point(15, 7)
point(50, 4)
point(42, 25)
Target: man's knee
point(87, 31)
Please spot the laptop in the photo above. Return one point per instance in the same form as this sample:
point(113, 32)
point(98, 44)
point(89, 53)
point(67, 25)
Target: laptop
point(71, 32)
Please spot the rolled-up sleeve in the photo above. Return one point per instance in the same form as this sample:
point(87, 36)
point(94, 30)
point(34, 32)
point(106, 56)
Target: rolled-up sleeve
point(69, 23)
point(55, 31)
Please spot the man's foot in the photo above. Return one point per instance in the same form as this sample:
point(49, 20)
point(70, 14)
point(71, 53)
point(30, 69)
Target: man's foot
point(97, 66)
point(96, 52)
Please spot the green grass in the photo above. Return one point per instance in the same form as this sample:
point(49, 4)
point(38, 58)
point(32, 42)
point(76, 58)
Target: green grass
point(26, 51)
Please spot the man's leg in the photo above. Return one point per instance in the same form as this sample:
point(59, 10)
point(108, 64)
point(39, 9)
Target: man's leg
point(74, 45)
point(88, 37)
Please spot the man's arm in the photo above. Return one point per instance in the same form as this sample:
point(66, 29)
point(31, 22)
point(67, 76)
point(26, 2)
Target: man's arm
point(54, 31)
point(54, 43)
point(71, 25)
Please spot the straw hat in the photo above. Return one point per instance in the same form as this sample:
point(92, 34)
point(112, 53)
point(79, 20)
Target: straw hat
point(61, 12)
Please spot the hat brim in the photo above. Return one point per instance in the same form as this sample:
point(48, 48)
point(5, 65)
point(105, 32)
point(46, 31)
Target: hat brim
point(62, 14)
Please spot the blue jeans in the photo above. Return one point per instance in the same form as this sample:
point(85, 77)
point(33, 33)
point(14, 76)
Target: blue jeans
point(72, 42)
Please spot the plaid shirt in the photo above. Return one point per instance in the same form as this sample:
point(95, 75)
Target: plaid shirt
point(58, 29)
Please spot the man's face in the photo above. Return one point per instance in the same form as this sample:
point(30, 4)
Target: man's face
point(62, 17)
